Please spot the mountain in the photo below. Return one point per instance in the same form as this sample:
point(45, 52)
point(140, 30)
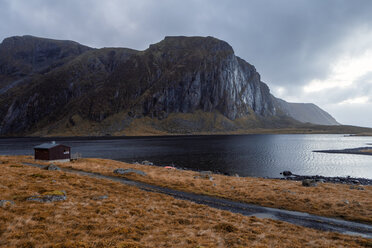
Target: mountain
point(21, 57)
point(179, 85)
point(305, 112)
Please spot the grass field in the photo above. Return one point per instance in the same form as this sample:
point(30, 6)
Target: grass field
point(129, 217)
point(327, 199)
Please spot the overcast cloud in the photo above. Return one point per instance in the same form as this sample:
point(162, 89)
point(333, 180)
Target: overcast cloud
point(316, 51)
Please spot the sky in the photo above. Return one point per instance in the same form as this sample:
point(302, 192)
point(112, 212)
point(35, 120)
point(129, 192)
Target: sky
point(317, 51)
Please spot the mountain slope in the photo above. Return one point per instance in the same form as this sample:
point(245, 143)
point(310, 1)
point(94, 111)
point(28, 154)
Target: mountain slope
point(49, 87)
point(20, 57)
point(305, 112)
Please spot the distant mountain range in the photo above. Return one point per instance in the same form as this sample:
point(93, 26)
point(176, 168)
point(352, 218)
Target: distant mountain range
point(179, 85)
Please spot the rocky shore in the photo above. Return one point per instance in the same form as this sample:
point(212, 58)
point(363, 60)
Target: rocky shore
point(287, 175)
point(322, 179)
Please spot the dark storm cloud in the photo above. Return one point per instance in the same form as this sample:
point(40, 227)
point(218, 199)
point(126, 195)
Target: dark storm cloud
point(290, 42)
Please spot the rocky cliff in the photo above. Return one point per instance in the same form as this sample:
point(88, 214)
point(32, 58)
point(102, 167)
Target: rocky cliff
point(61, 85)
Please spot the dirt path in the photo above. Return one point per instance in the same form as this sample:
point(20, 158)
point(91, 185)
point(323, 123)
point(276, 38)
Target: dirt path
point(294, 217)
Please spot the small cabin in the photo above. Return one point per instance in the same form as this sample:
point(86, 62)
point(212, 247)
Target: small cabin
point(52, 152)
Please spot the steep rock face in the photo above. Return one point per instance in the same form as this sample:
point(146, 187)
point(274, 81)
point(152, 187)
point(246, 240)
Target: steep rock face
point(184, 74)
point(304, 112)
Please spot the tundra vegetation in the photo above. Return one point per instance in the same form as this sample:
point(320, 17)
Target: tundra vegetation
point(103, 213)
point(327, 199)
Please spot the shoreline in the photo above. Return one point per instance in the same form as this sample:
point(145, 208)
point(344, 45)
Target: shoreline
point(347, 131)
point(336, 180)
point(293, 177)
point(84, 137)
point(114, 137)
point(358, 151)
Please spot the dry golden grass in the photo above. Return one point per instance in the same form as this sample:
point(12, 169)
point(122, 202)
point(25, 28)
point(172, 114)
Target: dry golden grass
point(326, 199)
point(130, 217)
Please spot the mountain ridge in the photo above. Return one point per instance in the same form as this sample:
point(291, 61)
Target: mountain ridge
point(314, 114)
point(57, 85)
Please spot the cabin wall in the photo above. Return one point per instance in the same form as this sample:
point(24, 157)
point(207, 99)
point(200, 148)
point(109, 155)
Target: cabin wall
point(42, 154)
point(60, 152)
point(54, 153)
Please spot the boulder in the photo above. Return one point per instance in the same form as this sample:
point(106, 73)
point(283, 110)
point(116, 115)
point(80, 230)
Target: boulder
point(50, 196)
point(309, 183)
point(206, 175)
point(5, 203)
point(286, 173)
point(52, 167)
point(147, 163)
point(355, 181)
point(128, 171)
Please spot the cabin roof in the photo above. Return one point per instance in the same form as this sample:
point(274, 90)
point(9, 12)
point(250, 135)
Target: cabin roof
point(46, 146)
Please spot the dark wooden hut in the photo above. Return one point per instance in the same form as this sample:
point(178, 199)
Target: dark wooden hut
point(52, 152)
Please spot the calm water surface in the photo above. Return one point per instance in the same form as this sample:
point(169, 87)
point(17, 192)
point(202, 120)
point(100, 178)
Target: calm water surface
point(247, 155)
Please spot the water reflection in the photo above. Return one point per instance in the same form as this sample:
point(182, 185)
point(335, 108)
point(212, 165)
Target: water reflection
point(246, 155)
